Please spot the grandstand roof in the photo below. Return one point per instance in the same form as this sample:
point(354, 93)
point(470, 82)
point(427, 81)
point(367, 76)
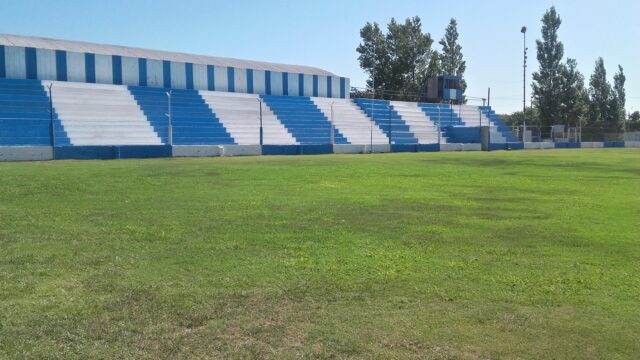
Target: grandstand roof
point(86, 47)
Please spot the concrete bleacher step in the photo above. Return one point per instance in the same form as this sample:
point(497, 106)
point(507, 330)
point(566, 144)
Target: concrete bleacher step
point(474, 116)
point(351, 121)
point(387, 118)
point(193, 121)
point(419, 123)
point(95, 114)
point(303, 119)
point(240, 114)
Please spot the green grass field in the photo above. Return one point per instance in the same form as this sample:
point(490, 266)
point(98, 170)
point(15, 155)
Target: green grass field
point(526, 254)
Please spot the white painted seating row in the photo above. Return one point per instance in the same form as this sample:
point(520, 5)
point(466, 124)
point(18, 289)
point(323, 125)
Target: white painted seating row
point(96, 114)
point(240, 115)
point(425, 130)
point(351, 121)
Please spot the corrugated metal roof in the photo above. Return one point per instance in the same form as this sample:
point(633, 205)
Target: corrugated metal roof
point(82, 47)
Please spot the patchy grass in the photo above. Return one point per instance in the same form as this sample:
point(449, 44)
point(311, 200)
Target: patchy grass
point(527, 254)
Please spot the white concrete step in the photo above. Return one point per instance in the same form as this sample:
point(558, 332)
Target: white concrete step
point(97, 114)
point(423, 128)
point(240, 115)
point(351, 121)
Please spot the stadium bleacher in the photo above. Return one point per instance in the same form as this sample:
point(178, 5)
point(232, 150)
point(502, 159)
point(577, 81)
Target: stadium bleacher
point(240, 115)
point(192, 121)
point(86, 114)
point(304, 120)
point(388, 119)
point(354, 124)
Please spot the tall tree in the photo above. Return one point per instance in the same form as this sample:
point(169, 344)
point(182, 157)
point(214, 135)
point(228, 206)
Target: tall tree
point(451, 56)
point(634, 121)
point(600, 98)
point(398, 59)
point(374, 56)
point(435, 66)
point(620, 95)
point(573, 95)
point(547, 81)
point(410, 51)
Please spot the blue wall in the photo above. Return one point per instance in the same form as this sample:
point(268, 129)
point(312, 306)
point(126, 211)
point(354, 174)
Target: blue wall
point(23, 63)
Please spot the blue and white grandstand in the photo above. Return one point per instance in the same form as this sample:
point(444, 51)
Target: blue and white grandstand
point(81, 100)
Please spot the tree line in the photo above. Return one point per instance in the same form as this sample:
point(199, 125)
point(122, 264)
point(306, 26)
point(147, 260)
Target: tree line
point(399, 61)
point(559, 92)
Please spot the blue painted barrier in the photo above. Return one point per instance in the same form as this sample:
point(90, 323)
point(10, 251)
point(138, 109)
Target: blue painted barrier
point(111, 152)
point(614, 144)
point(427, 147)
point(280, 149)
point(403, 148)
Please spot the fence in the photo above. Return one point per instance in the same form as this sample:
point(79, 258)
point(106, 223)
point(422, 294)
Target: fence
point(566, 134)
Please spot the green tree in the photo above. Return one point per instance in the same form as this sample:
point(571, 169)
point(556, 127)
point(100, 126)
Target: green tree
point(573, 95)
point(435, 66)
point(634, 121)
point(619, 95)
point(518, 117)
point(374, 56)
point(547, 81)
point(398, 59)
point(451, 55)
point(600, 98)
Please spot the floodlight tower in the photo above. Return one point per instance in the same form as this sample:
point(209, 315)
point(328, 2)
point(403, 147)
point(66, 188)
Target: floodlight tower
point(524, 83)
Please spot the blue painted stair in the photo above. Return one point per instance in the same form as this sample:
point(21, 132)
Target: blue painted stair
point(193, 122)
point(497, 121)
point(25, 118)
point(303, 119)
point(452, 127)
point(387, 118)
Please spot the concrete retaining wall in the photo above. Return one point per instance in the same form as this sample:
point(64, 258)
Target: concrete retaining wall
point(25, 153)
point(241, 150)
point(592, 144)
point(460, 147)
point(196, 150)
point(451, 147)
point(471, 147)
point(349, 149)
point(632, 144)
point(377, 148)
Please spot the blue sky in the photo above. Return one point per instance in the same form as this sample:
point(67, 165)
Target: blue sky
point(326, 33)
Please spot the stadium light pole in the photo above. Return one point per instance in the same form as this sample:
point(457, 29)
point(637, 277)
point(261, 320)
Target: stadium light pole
point(524, 83)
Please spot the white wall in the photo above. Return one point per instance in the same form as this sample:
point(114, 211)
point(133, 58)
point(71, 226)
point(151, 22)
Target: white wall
point(15, 62)
point(46, 64)
point(220, 78)
point(104, 69)
point(240, 80)
point(130, 71)
point(276, 83)
point(75, 67)
point(178, 75)
point(200, 77)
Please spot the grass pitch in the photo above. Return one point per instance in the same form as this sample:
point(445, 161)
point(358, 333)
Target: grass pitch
point(527, 254)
